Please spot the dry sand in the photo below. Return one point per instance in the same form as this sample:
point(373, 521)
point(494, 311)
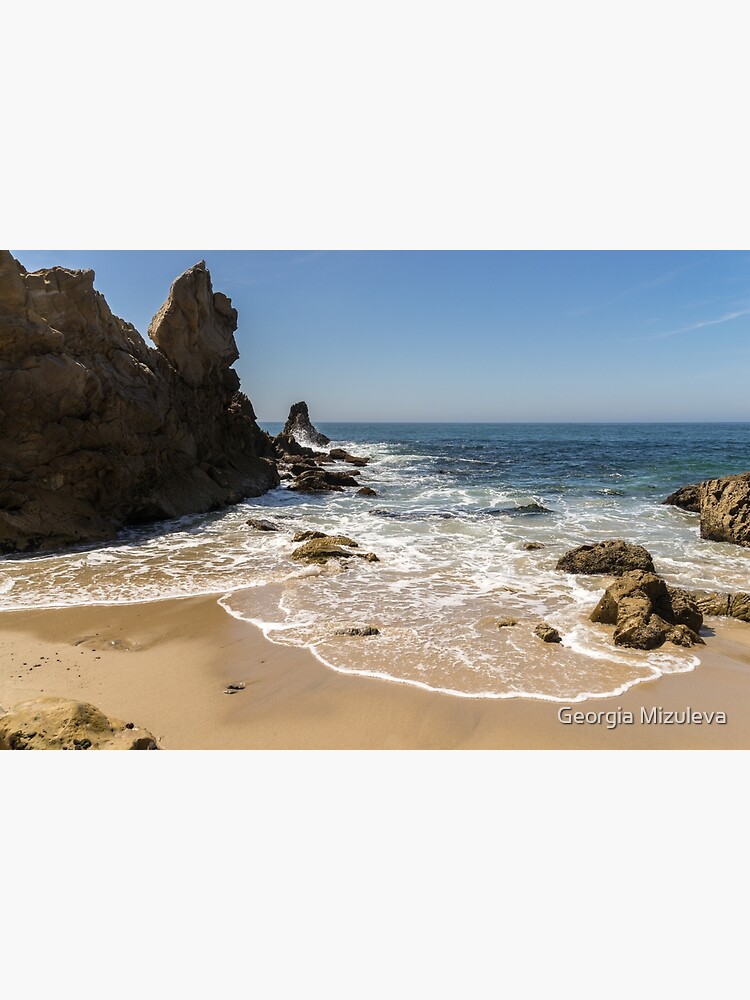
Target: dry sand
point(165, 665)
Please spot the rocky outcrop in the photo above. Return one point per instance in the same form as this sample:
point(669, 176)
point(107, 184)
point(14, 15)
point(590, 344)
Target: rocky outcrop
point(725, 509)
point(647, 613)
point(725, 605)
point(298, 428)
point(723, 505)
point(61, 724)
point(98, 429)
point(613, 557)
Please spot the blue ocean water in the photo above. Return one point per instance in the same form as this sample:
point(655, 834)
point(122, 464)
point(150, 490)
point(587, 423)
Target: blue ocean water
point(455, 506)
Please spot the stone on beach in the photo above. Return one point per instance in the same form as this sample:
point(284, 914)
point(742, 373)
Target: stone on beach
point(321, 549)
point(47, 723)
point(262, 524)
point(647, 613)
point(724, 605)
point(723, 505)
point(358, 631)
point(546, 633)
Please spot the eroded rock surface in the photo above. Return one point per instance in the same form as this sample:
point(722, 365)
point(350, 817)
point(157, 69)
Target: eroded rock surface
point(723, 505)
point(299, 428)
point(63, 724)
point(647, 613)
point(97, 429)
point(726, 605)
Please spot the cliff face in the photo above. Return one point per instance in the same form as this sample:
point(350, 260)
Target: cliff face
point(97, 429)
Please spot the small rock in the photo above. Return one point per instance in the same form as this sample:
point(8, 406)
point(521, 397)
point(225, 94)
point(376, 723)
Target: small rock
point(306, 536)
point(366, 491)
point(236, 686)
point(366, 630)
point(546, 633)
point(506, 622)
point(533, 546)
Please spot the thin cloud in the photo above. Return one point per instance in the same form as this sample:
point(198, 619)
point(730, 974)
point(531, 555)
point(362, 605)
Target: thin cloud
point(726, 318)
point(642, 286)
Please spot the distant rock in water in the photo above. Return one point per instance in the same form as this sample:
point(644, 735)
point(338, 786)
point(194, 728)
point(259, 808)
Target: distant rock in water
point(300, 429)
point(723, 505)
point(613, 557)
point(99, 430)
point(528, 508)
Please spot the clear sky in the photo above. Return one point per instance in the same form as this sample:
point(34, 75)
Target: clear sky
point(466, 336)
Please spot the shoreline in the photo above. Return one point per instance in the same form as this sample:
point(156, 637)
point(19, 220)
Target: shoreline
point(165, 666)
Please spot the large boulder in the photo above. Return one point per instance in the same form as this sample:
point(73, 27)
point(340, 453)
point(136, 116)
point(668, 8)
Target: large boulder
point(321, 548)
point(647, 613)
point(98, 430)
point(686, 498)
point(613, 557)
point(61, 724)
point(725, 509)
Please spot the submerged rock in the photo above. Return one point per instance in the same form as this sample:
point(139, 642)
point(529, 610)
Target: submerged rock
point(528, 508)
point(339, 455)
point(613, 557)
point(321, 549)
point(262, 524)
point(506, 622)
point(362, 631)
point(647, 613)
point(533, 546)
point(98, 429)
point(366, 491)
point(63, 724)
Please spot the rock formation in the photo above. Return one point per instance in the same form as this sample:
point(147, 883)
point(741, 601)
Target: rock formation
point(319, 548)
point(646, 612)
point(724, 507)
point(60, 724)
point(613, 557)
point(725, 605)
point(299, 428)
point(98, 430)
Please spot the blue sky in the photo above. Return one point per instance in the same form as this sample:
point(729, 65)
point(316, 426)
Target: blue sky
point(466, 336)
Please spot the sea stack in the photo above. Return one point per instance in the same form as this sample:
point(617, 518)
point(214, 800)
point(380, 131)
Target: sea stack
point(98, 429)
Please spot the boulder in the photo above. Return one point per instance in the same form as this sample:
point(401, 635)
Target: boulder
point(506, 622)
point(340, 455)
point(299, 428)
point(613, 557)
point(646, 612)
point(533, 546)
point(725, 509)
point(98, 429)
point(63, 724)
point(366, 491)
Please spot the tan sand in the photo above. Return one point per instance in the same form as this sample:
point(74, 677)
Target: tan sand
point(165, 666)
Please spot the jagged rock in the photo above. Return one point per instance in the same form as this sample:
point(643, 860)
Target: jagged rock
point(62, 724)
point(533, 546)
point(521, 510)
point(725, 509)
point(725, 605)
point(299, 428)
point(687, 498)
point(613, 557)
point(546, 633)
point(646, 612)
point(262, 524)
point(98, 430)
point(366, 630)
point(322, 481)
point(366, 491)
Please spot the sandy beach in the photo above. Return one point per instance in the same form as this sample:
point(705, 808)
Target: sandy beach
point(165, 665)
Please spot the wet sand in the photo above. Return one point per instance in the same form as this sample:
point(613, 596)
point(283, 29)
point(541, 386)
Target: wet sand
point(165, 666)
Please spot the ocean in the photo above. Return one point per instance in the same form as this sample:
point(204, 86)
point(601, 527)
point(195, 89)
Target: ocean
point(456, 504)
